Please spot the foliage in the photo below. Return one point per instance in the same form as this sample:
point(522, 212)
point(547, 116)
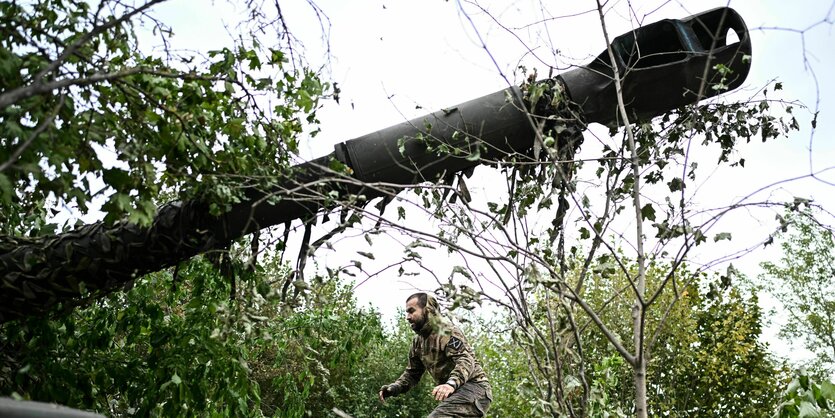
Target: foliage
point(189, 350)
point(805, 398)
point(309, 362)
point(704, 354)
point(725, 370)
point(77, 86)
point(87, 114)
point(507, 367)
point(384, 364)
point(151, 351)
point(802, 281)
point(606, 381)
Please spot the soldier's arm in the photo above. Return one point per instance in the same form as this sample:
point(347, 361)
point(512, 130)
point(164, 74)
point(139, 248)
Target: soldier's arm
point(414, 370)
point(459, 351)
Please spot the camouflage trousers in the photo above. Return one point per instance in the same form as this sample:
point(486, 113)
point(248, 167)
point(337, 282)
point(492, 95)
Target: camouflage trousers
point(470, 400)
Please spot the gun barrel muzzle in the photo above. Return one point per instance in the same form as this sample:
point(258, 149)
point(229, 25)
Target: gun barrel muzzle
point(663, 66)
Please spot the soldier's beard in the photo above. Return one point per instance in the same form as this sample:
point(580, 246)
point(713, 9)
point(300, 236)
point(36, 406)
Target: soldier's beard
point(418, 325)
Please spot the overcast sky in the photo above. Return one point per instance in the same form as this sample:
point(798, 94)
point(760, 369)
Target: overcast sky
point(394, 60)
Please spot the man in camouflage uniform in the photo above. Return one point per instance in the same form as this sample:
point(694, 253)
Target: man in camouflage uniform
point(441, 349)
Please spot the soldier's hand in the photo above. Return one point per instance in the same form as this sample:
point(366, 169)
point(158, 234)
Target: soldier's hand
point(388, 391)
point(442, 391)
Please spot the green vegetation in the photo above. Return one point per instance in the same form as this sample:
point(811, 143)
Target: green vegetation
point(802, 281)
point(591, 319)
point(183, 348)
point(184, 125)
point(186, 349)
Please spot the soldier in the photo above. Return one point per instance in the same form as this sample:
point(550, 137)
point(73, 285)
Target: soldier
point(441, 349)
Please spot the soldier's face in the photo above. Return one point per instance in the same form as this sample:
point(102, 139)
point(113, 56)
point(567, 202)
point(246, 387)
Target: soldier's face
point(415, 315)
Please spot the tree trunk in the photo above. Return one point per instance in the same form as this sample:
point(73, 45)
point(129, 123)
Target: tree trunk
point(640, 366)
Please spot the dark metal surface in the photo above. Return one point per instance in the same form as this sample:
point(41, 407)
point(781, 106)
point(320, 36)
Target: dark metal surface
point(663, 66)
point(488, 127)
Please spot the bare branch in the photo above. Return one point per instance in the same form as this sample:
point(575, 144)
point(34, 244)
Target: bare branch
point(73, 47)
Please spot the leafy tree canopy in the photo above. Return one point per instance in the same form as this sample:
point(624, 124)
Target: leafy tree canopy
point(802, 281)
point(87, 113)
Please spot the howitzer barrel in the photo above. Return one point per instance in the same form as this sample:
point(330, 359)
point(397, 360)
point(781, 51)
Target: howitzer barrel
point(663, 65)
point(487, 127)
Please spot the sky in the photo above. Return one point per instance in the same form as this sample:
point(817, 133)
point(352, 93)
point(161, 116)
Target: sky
point(395, 60)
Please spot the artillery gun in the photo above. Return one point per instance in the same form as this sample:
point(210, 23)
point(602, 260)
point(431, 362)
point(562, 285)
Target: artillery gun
point(662, 66)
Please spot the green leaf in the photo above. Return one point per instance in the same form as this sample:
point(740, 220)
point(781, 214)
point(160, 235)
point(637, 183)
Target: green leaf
point(338, 166)
point(722, 236)
point(828, 391)
point(475, 155)
point(277, 57)
point(401, 146)
point(808, 410)
point(116, 178)
point(648, 212)
point(234, 127)
point(366, 254)
point(676, 184)
point(584, 233)
point(6, 191)
point(176, 379)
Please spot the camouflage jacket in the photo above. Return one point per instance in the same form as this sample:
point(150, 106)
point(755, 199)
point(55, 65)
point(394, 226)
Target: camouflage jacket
point(444, 353)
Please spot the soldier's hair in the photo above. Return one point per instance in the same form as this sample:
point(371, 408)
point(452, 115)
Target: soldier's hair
point(424, 300)
point(421, 297)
